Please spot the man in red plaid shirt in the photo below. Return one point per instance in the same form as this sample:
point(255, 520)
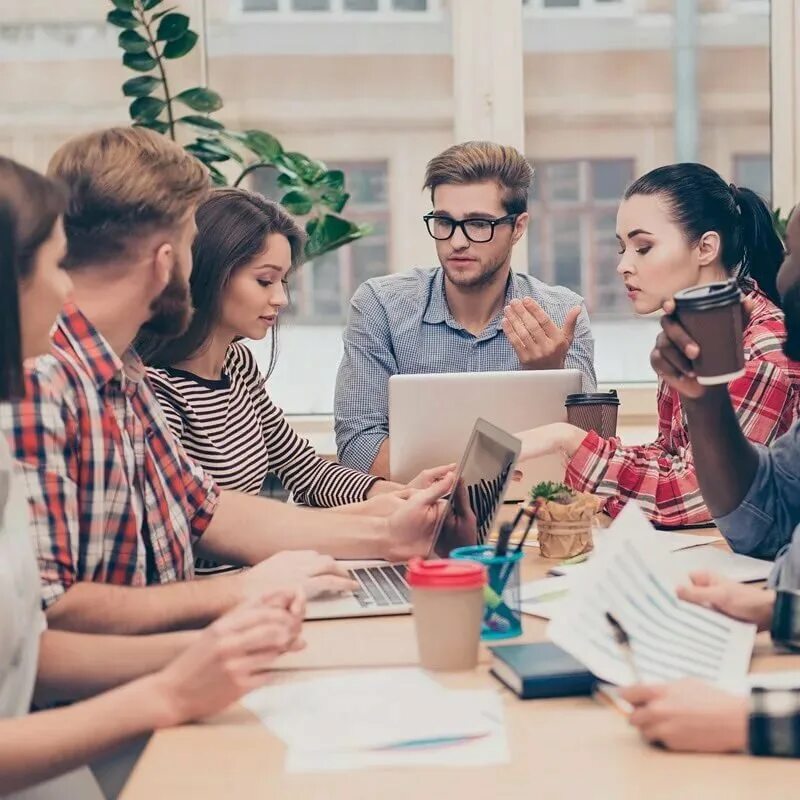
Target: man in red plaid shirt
point(116, 504)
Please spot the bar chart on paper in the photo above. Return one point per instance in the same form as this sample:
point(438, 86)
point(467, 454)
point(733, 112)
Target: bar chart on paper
point(669, 638)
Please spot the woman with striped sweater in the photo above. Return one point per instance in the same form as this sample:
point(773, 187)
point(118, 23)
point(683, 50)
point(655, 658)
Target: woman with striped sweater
point(209, 384)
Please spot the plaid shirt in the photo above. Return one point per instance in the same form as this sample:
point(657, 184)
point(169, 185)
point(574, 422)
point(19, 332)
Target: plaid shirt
point(401, 325)
point(661, 476)
point(774, 727)
point(113, 497)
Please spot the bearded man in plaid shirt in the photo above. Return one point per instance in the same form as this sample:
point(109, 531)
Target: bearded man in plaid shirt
point(118, 509)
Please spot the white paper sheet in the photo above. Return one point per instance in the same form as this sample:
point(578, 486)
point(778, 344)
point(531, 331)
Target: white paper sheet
point(630, 576)
point(543, 597)
point(487, 750)
point(372, 717)
point(784, 679)
point(734, 566)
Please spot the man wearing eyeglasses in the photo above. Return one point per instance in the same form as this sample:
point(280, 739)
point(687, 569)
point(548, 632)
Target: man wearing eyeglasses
point(471, 314)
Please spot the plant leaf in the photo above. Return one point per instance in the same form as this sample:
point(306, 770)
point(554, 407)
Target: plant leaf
point(172, 27)
point(330, 233)
point(122, 19)
point(218, 147)
point(148, 4)
point(336, 201)
point(145, 109)
point(180, 47)
point(201, 122)
point(217, 177)
point(132, 42)
point(264, 145)
point(199, 150)
point(140, 87)
point(200, 99)
point(141, 62)
point(154, 125)
point(333, 179)
point(163, 13)
point(297, 202)
point(123, 5)
point(307, 169)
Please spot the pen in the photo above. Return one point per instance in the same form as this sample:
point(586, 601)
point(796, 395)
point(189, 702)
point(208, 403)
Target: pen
point(624, 641)
point(501, 548)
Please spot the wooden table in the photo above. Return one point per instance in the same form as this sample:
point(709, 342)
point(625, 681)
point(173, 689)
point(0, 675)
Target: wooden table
point(564, 748)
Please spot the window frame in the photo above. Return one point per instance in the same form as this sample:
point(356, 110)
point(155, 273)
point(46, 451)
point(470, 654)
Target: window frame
point(596, 8)
point(337, 13)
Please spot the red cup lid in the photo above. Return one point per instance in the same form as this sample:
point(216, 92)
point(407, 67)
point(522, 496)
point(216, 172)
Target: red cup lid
point(445, 573)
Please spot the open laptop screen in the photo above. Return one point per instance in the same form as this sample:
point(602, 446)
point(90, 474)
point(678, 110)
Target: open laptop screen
point(480, 484)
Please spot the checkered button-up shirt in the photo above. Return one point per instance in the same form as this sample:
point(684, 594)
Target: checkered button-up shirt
point(401, 324)
point(661, 476)
point(112, 495)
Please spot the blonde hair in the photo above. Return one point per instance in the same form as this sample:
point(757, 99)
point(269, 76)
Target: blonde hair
point(475, 162)
point(124, 183)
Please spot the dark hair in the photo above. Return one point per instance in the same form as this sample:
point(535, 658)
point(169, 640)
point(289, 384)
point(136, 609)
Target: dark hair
point(701, 201)
point(232, 226)
point(30, 204)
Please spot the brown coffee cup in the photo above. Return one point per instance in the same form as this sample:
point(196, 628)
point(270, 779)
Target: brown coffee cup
point(594, 411)
point(712, 316)
point(447, 600)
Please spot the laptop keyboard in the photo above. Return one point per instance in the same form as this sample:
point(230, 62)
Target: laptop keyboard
point(381, 586)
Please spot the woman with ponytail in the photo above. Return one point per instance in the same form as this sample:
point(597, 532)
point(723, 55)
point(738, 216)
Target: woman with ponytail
point(679, 226)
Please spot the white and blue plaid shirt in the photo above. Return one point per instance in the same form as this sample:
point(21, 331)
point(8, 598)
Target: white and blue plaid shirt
point(400, 324)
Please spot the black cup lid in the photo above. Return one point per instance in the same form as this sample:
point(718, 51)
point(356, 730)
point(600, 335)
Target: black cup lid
point(592, 398)
point(708, 296)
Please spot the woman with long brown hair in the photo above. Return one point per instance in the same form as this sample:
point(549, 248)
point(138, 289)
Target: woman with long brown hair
point(168, 679)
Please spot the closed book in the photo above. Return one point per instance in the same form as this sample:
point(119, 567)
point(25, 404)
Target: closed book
point(541, 670)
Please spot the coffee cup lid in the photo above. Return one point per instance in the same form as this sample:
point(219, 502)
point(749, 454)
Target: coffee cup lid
point(445, 573)
point(708, 295)
point(592, 398)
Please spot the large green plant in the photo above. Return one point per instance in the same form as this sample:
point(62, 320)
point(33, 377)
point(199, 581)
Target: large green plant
point(150, 37)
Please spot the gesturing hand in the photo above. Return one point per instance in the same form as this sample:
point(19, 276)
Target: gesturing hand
point(292, 569)
point(537, 340)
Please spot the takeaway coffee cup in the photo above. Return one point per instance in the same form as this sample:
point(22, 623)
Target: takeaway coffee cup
point(594, 411)
point(447, 599)
point(712, 316)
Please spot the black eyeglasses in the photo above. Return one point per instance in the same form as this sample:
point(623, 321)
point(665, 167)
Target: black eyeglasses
point(476, 229)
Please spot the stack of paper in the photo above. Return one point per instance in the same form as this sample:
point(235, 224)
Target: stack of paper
point(381, 717)
point(630, 577)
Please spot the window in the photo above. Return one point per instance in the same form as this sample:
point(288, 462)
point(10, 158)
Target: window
point(342, 8)
point(754, 172)
point(571, 237)
point(591, 6)
point(321, 290)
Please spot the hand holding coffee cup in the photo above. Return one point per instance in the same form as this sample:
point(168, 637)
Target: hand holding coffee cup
point(700, 343)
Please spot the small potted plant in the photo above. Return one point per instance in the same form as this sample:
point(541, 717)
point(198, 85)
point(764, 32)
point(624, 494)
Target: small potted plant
point(564, 519)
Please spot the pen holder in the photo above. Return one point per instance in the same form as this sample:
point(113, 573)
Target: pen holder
point(502, 613)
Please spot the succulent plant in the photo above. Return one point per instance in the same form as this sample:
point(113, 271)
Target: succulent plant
point(552, 492)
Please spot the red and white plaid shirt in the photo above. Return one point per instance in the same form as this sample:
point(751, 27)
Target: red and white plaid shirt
point(661, 476)
point(113, 496)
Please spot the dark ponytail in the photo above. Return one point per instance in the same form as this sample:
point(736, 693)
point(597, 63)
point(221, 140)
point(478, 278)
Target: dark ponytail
point(701, 201)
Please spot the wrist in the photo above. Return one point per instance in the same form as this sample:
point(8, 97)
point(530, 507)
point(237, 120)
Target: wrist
point(570, 438)
point(766, 610)
point(155, 699)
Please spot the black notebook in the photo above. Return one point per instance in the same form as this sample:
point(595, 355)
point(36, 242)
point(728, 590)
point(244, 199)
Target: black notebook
point(541, 670)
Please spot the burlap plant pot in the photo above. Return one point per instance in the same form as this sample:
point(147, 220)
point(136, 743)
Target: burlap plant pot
point(565, 530)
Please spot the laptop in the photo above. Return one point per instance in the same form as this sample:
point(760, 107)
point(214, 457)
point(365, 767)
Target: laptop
point(481, 479)
point(431, 415)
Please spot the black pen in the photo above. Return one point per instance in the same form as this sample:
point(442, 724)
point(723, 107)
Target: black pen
point(501, 548)
point(624, 641)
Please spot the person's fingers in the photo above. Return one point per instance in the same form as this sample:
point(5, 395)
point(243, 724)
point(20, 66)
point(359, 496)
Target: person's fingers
point(328, 584)
point(326, 565)
point(713, 596)
point(526, 316)
point(298, 605)
point(641, 693)
point(665, 368)
point(542, 321)
point(679, 337)
point(245, 615)
point(434, 474)
point(679, 362)
point(668, 306)
point(514, 328)
point(516, 475)
point(704, 578)
point(435, 491)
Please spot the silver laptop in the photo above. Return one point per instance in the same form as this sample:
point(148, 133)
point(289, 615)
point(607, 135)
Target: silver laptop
point(480, 483)
point(431, 415)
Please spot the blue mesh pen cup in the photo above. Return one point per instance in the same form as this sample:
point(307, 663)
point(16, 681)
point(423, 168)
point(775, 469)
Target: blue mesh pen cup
point(502, 613)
